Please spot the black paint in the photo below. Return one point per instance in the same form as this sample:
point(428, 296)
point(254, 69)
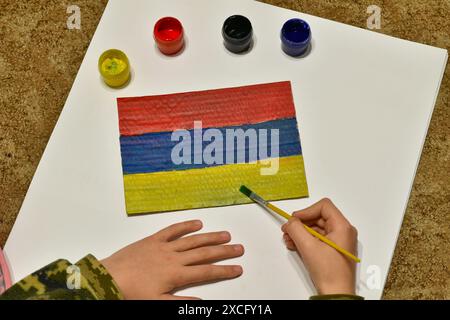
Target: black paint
point(237, 33)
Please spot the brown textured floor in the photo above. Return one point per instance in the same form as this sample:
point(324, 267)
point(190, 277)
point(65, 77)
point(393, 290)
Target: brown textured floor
point(39, 58)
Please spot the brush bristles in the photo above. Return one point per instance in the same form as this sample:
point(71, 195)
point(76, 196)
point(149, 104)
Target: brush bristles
point(245, 191)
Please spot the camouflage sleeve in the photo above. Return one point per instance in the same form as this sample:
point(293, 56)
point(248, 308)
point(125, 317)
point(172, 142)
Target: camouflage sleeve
point(86, 280)
point(336, 297)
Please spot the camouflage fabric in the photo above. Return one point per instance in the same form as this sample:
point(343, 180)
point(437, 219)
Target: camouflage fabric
point(86, 280)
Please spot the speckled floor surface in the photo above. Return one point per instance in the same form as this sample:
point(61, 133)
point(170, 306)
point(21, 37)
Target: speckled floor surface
point(33, 34)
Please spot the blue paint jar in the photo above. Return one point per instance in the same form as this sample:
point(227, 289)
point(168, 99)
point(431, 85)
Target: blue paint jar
point(237, 32)
point(295, 37)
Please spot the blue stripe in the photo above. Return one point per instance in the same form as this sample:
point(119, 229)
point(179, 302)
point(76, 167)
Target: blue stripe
point(151, 152)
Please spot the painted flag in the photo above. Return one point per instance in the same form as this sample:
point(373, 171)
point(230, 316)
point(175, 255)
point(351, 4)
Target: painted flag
point(195, 149)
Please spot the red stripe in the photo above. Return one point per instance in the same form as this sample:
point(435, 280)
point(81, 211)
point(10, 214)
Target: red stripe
point(215, 108)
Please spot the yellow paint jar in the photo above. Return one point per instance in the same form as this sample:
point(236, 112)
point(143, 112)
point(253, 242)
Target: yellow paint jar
point(114, 67)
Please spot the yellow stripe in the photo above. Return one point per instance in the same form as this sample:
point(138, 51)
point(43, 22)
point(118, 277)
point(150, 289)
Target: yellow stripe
point(213, 186)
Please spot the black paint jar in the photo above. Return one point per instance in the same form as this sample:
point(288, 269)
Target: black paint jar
point(237, 33)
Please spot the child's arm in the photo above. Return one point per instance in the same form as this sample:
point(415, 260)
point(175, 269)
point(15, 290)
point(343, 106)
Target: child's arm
point(53, 282)
point(151, 268)
point(332, 273)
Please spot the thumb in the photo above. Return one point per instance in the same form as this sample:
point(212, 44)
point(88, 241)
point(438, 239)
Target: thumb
point(302, 238)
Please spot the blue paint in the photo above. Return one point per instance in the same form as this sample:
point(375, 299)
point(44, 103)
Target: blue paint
point(295, 37)
point(151, 152)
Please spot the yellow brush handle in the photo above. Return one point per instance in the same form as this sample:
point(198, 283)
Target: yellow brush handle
point(279, 211)
point(315, 233)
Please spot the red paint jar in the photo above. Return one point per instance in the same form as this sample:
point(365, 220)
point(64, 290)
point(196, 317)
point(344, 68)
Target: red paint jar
point(169, 35)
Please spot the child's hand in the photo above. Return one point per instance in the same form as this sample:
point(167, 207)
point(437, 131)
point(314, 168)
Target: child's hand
point(154, 267)
point(331, 272)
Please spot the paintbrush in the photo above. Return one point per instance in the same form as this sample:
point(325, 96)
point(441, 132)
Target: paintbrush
point(249, 193)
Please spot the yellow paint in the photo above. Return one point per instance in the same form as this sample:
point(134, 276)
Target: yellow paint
point(213, 186)
point(114, 67)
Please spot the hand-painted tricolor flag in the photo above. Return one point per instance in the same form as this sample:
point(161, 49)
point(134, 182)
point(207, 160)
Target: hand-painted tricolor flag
point(184, 151)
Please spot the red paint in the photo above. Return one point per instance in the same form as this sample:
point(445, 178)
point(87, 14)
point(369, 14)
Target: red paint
point(215, 108)
point(169, 35)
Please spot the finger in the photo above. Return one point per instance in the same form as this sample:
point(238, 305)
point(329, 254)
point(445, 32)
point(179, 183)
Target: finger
point(324, 209)
point(321, 223)
point(302, 239)
point(319, 230)
point(178, 230)
point(201, 240)
point(309, 223)
point(174, 297)
point(212, 253)
point(208, 273)
point(312, 226)
point(306, 218)
point(286, 237)
point(289, 243)
point(315, 211)
point(310, 213)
